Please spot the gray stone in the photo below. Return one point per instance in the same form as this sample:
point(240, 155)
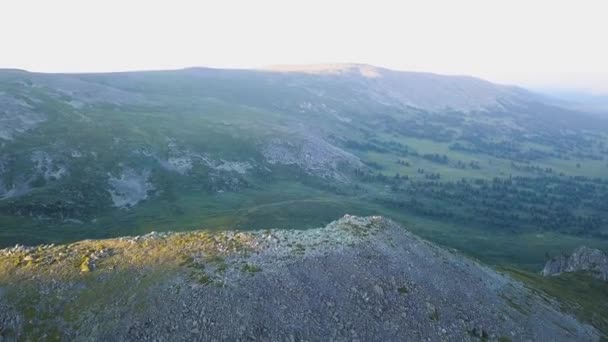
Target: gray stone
point(378, 290)
point(583, 258)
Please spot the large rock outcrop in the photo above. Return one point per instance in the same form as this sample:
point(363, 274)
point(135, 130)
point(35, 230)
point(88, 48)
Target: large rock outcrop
point(583, 259)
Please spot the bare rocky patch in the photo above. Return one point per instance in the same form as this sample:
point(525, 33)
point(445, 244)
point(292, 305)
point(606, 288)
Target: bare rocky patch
point(17, 116)
point(46, 166)
point(130, 187)
point(313, 154)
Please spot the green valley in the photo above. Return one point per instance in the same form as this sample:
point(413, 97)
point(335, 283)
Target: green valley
point(494, 171)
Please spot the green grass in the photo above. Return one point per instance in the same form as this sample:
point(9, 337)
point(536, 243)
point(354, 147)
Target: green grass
point(527, 250)
point(295, 205)
point(251, 268)
point(578, 293)
point(403, 290)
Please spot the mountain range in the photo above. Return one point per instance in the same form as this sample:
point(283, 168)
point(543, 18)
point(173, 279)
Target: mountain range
point(103, 155)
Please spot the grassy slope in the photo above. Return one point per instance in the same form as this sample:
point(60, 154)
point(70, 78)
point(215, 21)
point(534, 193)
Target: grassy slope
point(578, 293)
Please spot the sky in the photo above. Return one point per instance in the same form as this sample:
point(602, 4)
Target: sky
point(535, 43)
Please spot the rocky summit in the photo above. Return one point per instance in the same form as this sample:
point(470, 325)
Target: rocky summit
point(583, 259)
point(358, 278)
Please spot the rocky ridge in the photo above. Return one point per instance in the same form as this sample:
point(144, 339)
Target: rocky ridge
point(582, 259)
point(358, 278)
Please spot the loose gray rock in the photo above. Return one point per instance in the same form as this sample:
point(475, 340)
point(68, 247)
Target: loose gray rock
point(359, 278)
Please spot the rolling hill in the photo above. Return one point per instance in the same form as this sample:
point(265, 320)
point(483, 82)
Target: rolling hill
point(510, 174)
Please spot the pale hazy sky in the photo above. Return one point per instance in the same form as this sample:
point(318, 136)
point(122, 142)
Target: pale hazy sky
point(532, 42)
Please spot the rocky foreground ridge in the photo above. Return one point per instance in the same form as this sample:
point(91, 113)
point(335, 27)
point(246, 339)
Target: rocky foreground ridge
point(583, 259)
point(359, 278)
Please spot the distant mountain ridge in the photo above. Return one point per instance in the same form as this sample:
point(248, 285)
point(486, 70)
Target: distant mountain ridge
point(419, 89)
